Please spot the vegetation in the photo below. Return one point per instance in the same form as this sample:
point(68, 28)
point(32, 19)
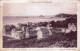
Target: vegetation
point(56, 40)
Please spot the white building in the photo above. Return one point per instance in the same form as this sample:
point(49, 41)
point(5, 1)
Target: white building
point(72, 27)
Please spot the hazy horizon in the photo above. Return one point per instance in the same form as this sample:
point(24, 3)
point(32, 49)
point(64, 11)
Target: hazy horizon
point(38, 15)
point(16, 20)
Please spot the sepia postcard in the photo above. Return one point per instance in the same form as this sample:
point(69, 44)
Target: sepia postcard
point(39, 25)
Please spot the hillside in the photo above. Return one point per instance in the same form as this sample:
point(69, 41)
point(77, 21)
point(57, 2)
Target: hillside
point(66, 15)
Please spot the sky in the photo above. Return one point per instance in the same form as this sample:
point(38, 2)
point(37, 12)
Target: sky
point(36, 9)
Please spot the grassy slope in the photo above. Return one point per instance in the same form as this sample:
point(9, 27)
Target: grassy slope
point(56, 40)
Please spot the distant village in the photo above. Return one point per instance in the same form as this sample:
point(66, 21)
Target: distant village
point(41, 29)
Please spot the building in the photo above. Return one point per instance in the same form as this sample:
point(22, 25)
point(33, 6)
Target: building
point(72, 27)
